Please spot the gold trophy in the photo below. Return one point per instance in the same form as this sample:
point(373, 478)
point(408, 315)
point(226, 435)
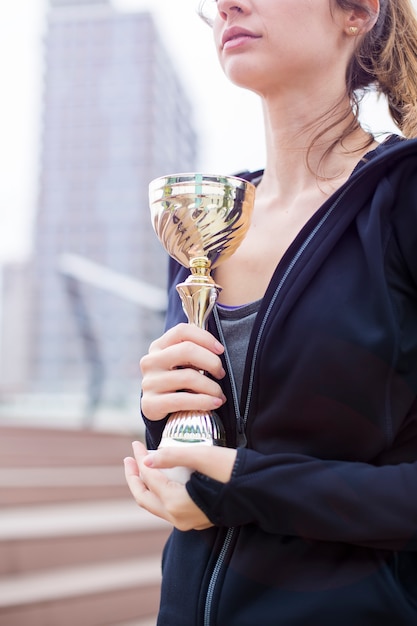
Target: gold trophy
point(200, 220)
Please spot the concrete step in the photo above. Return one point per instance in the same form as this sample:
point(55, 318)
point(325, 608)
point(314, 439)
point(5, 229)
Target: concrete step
point(91, 595)
point(41, 537)
point(74, 547)
point(142, 622)
point(46, 447)
point(38, 485)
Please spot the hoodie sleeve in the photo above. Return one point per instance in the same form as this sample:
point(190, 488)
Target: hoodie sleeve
point(154, 432)
point(322, 500)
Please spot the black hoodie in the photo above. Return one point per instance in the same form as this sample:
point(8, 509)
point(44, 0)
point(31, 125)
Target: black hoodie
point(318, 525)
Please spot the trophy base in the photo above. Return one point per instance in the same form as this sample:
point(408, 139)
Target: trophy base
point(190, 427)
point(178, 474)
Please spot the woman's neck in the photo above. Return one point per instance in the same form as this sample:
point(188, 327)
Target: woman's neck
point(303, 148)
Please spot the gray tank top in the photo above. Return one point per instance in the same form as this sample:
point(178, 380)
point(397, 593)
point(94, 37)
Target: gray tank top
point(237, 323)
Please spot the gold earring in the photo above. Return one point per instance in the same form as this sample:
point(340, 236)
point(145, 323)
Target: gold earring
point(353, 30)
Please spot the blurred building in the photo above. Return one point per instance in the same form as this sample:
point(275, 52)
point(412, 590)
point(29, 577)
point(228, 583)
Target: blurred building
point(14, 328)
point(115, 116)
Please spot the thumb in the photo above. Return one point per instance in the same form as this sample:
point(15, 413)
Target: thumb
point(169, 457)
point(213, 461)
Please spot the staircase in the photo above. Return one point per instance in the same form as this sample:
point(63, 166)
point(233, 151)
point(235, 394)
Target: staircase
point(74, 547)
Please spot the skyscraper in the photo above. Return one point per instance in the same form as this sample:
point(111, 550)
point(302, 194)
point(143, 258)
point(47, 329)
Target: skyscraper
point(115, 116)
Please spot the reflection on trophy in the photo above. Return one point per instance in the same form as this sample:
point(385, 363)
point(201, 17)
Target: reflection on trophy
point(200, 220)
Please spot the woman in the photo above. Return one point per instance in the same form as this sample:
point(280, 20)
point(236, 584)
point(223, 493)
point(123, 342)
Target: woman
point(309, 516)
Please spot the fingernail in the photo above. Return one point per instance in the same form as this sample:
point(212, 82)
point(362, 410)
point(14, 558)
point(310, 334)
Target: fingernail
point(218, 347)
point(149, 459)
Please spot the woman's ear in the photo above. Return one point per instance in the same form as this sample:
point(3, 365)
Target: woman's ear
point(362, 18)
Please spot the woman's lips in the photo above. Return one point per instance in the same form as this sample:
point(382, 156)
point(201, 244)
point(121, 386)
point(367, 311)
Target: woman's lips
point(235, 37)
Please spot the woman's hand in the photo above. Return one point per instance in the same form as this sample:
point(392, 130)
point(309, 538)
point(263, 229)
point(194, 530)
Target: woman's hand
point(172, 373)
point(165, 498)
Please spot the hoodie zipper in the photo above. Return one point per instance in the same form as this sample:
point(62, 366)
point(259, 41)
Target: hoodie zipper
point(241, 437)
point(215, 575)
point(242, 421)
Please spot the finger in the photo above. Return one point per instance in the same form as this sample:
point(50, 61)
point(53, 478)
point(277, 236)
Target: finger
point(180, 390)
point(188, 332)
point(167, 392)
point(139, 450)
point(134, 482)
point(145, 498)
point(141, 453)
point(131, 467)
point(156, 407)
point(185, 354)
point(155, 480)
point(133, 470)
point(184, 379)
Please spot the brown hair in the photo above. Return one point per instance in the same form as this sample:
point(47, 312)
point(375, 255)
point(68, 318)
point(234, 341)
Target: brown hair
point(386, 59)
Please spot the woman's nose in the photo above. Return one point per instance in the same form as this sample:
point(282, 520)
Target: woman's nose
point(229, 8)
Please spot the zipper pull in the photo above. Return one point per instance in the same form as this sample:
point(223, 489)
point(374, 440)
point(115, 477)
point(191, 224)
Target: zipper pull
point(241, 435)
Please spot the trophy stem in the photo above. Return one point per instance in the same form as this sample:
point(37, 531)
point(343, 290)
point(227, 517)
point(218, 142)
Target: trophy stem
point(199, 292)
point(198, 295)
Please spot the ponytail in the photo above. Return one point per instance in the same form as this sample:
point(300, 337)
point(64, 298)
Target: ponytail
point(387, 60)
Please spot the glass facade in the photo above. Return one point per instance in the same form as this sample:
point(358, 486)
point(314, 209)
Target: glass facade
point(115, 116)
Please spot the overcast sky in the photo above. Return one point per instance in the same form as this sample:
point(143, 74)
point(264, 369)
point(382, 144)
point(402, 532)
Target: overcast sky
point(222, 111)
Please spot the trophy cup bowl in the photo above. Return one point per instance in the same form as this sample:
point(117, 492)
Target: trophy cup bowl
point(200, 220)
